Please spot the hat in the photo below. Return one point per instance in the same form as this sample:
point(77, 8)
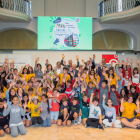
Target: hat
point(35, 98)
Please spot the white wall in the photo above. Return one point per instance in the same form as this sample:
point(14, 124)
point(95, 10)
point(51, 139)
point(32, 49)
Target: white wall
point(55, 56)
point(79, 8)
point(37, 8)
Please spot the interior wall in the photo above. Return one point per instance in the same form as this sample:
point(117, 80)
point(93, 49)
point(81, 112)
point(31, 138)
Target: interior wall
point(126, 27)
point(55, 56)
point(132, 29)
point(81, 8)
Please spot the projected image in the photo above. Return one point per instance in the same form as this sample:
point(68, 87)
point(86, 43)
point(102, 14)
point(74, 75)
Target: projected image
point(65, 33)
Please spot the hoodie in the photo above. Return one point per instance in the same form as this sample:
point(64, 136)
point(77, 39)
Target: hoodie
point(15, 114)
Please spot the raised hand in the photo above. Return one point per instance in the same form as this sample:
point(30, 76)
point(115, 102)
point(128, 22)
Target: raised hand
point(90, 59)
point(92, 94)
point(3, 75)
point(100, 63)
point(131, 61)
point(91, 77)
point(73, 93)
point(77, 57)
point(104, 96)
point(63, 56)
point(83, 61)
point(72, 74)
point(47, 61)
point(130, 83)
point(94, 56)
point(79, 74)
point(122, 100)
point(76, 79)
point(37, 59)
point(137, 102)
point(5, 105)
point(122, 62)
point(137, 62)
point(119, 62)
point(55, 68)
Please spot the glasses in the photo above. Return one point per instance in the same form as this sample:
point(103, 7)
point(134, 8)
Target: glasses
point(109, 102)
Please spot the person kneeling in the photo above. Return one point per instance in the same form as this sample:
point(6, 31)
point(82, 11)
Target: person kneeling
point(94, 119)
point(63, 115)
point(127, 109)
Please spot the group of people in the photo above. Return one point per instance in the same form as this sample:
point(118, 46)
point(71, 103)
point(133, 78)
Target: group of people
point(88, 93)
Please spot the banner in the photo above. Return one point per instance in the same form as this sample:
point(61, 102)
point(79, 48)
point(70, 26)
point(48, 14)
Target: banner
point(110, 58)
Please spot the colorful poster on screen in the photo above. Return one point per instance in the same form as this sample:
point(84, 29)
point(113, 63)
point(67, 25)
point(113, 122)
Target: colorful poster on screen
point(65, 33)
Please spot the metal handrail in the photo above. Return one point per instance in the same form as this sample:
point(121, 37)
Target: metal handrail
point(22, 6)
point(113, 6)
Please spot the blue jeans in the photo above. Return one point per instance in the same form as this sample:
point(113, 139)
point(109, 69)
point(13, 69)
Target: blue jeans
point(47, 122)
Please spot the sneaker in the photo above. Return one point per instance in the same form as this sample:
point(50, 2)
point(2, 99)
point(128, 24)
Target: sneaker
point(76, 122)
point(123, 125)
point(137, 127)
point(79, 122)
point(101, 127)
point(86, 125)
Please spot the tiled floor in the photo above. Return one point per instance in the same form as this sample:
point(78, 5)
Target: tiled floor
point(78, 132)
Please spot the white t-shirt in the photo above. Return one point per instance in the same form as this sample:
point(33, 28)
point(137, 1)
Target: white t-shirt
point(95, 111)
point(135, 78)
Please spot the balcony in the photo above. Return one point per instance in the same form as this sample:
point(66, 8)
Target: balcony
point(118, 11)
point(15, 10)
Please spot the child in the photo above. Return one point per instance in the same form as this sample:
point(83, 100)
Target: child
point(76, 88)
point(45, 106)
point(63, 115)
point(35, 111)
point(2, 96)
point(128, 117)
point(94, 119)
point(60, 89)
point(16, 124)
point(4, 121)
point(84, 106)
point(69, 88)
point(126, 79)
point(110, 114)
point(90, 89)
point(9, 95)
point(44, 91)
point(113, 94)
point(102, 90)
point(135, 76)
point(27, 117)
point(74, 110)
point(122, 96)
point(112, 76)
point(134, 93)
point(55, 106)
